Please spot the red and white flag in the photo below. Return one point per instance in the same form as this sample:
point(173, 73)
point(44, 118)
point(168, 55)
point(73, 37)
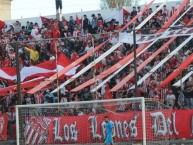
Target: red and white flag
point(66, 69)
point(27, 84)
point(45, 69)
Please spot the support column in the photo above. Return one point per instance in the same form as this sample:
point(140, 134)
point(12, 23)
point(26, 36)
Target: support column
point(191, 2)
point(5, 9)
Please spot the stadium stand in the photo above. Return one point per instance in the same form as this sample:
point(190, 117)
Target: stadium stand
point(41, 47)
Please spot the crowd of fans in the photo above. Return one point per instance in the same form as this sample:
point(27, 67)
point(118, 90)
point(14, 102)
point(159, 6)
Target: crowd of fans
point(36, 46)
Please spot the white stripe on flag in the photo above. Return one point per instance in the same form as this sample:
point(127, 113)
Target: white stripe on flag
point(181, 81)
point(163, 61)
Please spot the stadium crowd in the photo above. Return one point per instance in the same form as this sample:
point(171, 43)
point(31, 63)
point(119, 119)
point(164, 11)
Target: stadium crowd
point(77, 38)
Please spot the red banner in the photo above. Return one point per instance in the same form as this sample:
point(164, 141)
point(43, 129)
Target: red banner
point(3, 127)
point(162, 124)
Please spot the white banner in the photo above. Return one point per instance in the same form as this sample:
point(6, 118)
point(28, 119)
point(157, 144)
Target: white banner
point(141, 39)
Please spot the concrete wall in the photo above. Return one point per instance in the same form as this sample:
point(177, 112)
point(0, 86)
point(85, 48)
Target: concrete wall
point(5, 9)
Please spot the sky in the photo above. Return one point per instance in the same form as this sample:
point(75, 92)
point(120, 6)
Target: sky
point(34, 8)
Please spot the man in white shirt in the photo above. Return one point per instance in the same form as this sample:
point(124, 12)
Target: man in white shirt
point(88, 49)
point(52, 57)
point(63, 99)
point(170, 99)
point(63, 91)
point(28, 99)
point(34, 32)
point(17, 27)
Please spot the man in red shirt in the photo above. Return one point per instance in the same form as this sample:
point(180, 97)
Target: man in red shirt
point(117, 26)
point(48, 33)
point(53, 46)
point(55, 33)
point(173, 62)
point(55, 30)
point(74, 55)
point(54, 25)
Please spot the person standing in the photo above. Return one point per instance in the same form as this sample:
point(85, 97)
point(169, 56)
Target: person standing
point(86, 23)
point(58, 6)
point(165, 11)
point(180, 100)
point(88, 49)
point(170, 99)
point(189, 94)
point(49, 96)
point(100, 20)
point(94, 24)
point(109, 131)
point(133, 13)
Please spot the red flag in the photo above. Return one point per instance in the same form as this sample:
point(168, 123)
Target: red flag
point(78, 21)
point(45, 20)
point(2, 24)
point(125, 12)
point(45, 69)
point(25, 85)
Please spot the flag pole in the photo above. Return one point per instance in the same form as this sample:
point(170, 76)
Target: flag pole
point(56, 50)
point(95, 84)
point(181, 83)
point(19, 90)
point(135, 59)
point(82, 30)
point(18, 75)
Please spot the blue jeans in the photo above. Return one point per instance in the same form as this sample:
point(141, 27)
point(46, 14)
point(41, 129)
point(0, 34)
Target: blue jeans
point(58, 4)
point(189, 102)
